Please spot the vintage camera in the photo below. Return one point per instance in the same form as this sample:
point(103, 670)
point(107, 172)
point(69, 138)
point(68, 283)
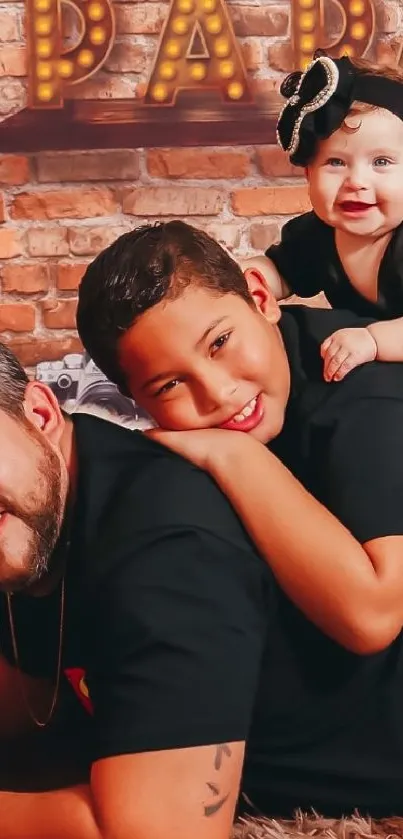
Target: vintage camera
point(77, 381)
point(62, 376)
point(95, 389)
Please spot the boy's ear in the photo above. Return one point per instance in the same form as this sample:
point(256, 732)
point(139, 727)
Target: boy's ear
point(263, 296)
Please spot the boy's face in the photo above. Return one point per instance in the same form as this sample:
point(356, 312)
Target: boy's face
point(206, 360)
point(356, 179)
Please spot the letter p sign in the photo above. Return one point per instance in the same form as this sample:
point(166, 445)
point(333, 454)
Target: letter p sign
point(51, 67)
point(309, 28)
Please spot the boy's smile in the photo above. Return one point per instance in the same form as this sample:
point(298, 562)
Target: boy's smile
point(247, 419)
point(209, 360)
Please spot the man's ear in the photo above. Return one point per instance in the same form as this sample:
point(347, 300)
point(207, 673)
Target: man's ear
point(43, 411)
point(262, 295)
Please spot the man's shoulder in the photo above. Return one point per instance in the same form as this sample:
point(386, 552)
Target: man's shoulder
point(137, 485)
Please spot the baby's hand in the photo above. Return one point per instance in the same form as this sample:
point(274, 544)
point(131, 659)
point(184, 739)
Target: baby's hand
point(344, 350)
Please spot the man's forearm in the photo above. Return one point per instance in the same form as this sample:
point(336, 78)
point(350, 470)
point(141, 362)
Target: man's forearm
point(64, 814)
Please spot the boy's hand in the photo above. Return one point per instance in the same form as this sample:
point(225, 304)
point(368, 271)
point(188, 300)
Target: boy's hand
point(344, 350)
point(207, 448)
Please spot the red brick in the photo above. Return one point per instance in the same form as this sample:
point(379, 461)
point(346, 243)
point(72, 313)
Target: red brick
point(13, 61)
point(263, 20)
point(89, 241)
point(388, 52)
point(171, 201)
point(17, 317)
point(275, 163)
point(127, 57)
point(69, 275)
point(281, 56)
point(14, 169)
point(47, 241)
point(388, 17)
point(228, 235)
point(87, 166)
point(103, 86)
point(13, 95)
point(197, 163)
point(140, 18)
point(275, 200)
point(263, 235)
point(64, 203)
point(25, 277)
point(9, 26)
point(30, 351)
point(10, 244)
point(140, 90)
point(252, 54)
point(268, 89)
point(59, 314)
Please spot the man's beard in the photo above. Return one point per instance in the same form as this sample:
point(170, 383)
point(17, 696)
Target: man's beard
point(42, 519)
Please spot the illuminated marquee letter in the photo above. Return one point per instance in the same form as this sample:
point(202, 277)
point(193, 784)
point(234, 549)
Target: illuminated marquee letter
point(308, 29)
point(51, 67)
point(198, 51)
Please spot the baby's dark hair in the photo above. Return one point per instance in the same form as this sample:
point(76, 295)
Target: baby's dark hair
point(365, 68)
point(140, 269)
point(13, 383)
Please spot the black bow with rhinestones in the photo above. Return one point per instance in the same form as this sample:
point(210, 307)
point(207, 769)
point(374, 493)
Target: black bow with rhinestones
point(320, 99)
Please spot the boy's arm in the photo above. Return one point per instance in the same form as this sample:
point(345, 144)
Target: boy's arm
point(352, 591)
point(269, 272)
point(388, 336)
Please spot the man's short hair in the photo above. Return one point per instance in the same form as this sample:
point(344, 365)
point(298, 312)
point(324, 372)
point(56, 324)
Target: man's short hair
point(140, 269)
point(13, 383)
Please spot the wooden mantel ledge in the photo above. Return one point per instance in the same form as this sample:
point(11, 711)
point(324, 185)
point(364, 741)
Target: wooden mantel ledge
point(128, 123)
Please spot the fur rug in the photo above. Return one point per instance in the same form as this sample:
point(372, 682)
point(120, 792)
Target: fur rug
point(317, 827)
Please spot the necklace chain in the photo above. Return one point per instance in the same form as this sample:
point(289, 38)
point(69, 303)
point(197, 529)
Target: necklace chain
point(34, 718)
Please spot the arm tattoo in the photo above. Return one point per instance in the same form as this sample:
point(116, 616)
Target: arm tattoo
point(222, 751)
point(212, 809)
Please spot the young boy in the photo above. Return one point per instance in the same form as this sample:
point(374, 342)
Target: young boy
point(169, 317)
point(343, 123)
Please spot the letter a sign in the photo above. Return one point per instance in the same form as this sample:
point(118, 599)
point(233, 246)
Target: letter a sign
point(198, 51)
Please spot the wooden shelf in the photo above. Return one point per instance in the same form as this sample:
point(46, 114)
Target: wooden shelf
point(128, 123)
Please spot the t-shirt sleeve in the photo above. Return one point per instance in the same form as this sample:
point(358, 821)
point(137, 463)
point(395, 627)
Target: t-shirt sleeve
point(178, 634)
point(363, 468)
point(298, 255)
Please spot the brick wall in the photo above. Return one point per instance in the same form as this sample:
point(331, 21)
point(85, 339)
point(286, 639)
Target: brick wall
point(57, 210)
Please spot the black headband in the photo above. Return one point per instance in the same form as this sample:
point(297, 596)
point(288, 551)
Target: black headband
point(320, 98)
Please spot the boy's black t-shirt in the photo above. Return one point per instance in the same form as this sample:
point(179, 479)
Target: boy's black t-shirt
point(307, 259)
point(176, 633)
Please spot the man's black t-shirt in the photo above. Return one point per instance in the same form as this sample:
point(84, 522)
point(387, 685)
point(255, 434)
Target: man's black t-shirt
point(176, 632)
point(307, 259)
